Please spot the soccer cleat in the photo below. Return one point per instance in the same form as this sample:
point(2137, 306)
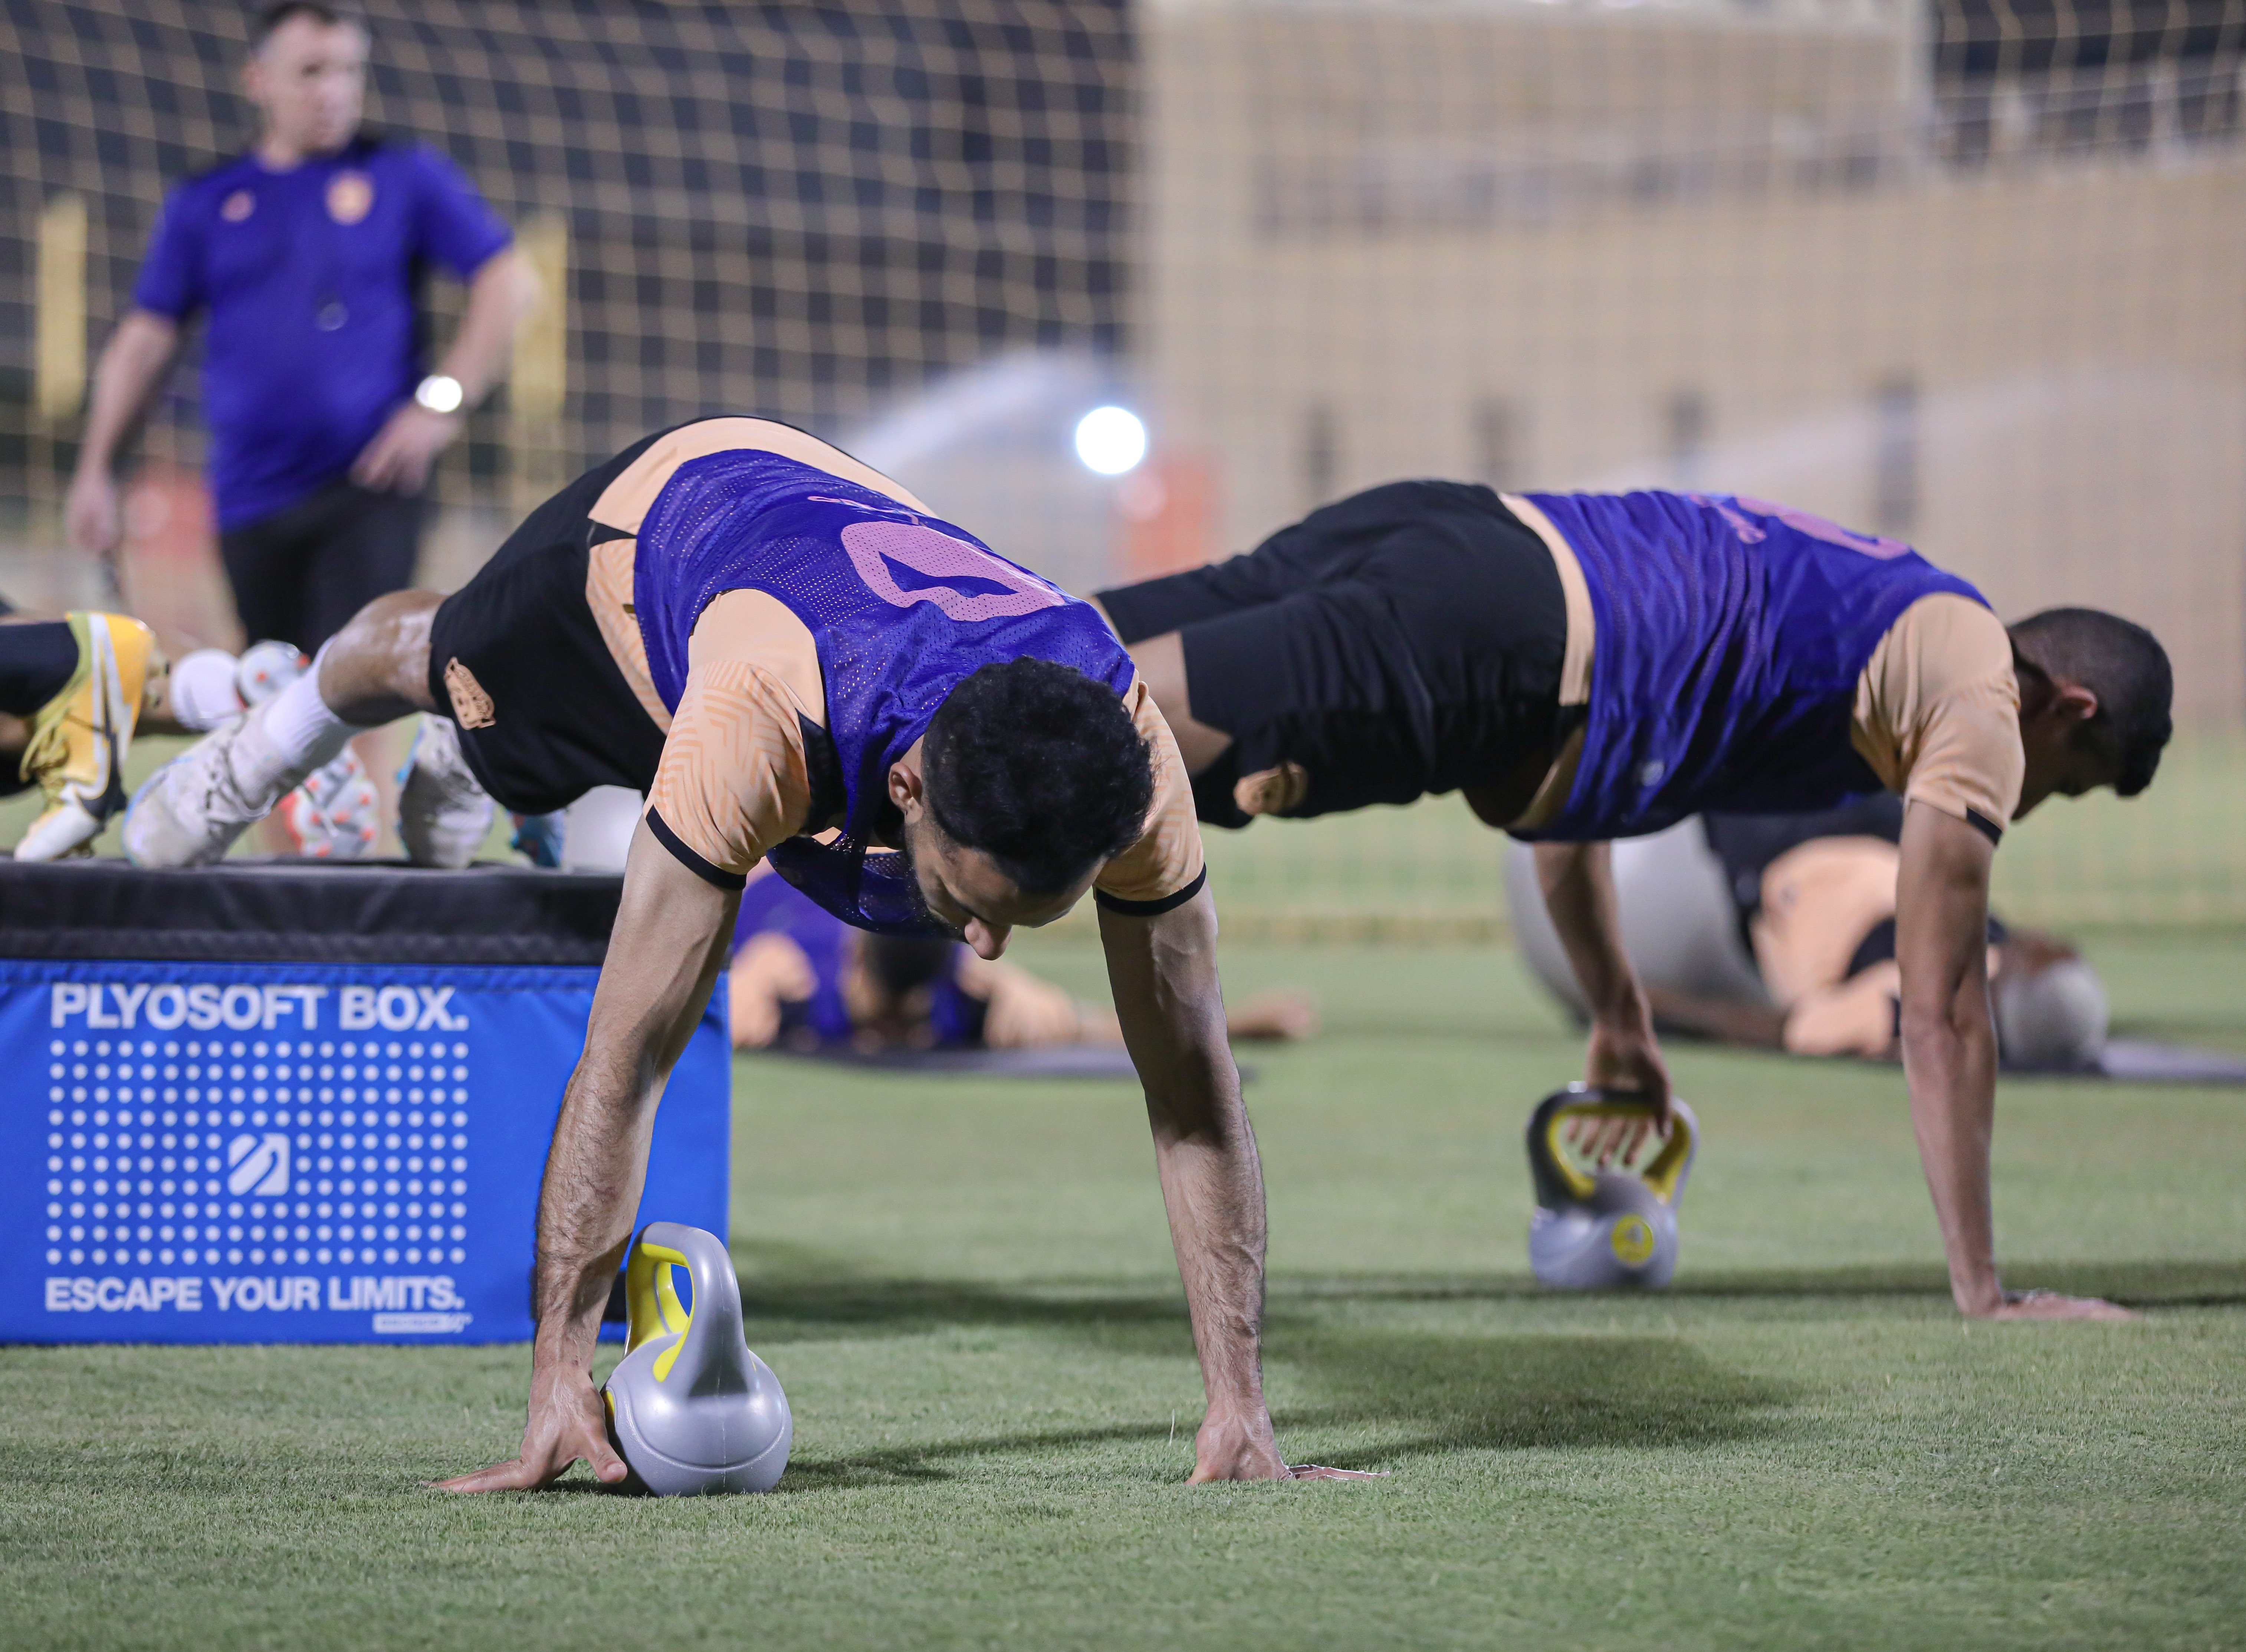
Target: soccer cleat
point(189, 812)
point(80, 738)
point(337, 814)
point(444, 814)
point(538, 837)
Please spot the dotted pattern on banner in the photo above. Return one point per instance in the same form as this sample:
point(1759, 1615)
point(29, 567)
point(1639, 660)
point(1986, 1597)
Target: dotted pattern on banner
point(172, 1151)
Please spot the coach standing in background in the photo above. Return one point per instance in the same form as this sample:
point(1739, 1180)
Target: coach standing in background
point(306, 254)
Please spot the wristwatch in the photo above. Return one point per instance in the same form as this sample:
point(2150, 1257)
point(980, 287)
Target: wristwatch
point(439, 393)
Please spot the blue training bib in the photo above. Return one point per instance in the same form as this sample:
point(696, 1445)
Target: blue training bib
point(1730, 635)
point(902, 607)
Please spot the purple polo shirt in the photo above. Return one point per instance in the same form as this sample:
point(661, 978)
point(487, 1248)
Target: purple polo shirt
point(310, 278)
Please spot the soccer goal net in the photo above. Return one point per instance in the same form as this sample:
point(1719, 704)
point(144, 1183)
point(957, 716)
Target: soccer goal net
point(1964, 272)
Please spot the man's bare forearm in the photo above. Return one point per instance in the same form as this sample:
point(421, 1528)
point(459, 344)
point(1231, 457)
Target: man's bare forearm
point(1172, 1011)
point(500, 293)
point(1213, 1189)
point(1949, 1046)
point(663, 958)
point(132, 364)
point(1731, 1020)
point(594, 1171)
point(1578, 883)
point(1623, 1053)
point(1950, 1065)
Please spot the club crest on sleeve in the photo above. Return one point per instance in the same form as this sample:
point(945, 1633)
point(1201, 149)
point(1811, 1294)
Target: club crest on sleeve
point(472, 707)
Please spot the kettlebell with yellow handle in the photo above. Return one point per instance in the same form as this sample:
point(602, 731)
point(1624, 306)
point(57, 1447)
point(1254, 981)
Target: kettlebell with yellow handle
point(691, 1409)
point(1604, 1229)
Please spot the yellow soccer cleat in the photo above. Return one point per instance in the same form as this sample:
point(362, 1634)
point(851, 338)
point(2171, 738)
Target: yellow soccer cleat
point(80, 737)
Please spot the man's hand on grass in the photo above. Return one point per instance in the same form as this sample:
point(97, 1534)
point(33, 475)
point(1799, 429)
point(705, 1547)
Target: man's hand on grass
point(2049, 1304)
point(566, 1421)
point(1227, 1448)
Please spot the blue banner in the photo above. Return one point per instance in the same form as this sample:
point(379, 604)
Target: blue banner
point(239, 1153)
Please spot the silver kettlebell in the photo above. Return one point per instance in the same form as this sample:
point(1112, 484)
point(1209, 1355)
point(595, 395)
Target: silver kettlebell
point(1597, 1230)
point(691, 1409)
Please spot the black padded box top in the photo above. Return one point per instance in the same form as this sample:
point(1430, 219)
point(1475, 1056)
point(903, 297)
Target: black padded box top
point(305, 911)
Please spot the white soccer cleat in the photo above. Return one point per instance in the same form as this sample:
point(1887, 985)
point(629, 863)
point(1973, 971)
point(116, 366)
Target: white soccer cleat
point(189, 812)
point(337, 814)
point(444, 814)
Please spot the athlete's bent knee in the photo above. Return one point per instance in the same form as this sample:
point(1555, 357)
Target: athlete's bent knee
point(378, 666)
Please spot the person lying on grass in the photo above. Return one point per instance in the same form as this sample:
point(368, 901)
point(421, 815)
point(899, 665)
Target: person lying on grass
point(802, 980)
point(798, 664)
point(1778, 932)
point(1585, 667)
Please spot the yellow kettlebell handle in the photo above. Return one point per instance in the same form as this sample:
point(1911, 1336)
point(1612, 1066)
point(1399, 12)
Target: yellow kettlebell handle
point(652, 1304)
point(1663, 1175)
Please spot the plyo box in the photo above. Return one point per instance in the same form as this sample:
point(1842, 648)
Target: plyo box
point(296, 1103)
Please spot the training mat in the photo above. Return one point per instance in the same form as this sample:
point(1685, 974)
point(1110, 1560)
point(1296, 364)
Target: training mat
point(2143, 1060)
point(1057, 1061)
point(245, 1126)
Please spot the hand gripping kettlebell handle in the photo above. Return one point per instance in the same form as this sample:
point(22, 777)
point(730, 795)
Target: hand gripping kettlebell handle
point(709, 1335)
point(1560, 1184)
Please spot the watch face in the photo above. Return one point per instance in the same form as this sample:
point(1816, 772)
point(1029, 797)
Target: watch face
point(439, 393)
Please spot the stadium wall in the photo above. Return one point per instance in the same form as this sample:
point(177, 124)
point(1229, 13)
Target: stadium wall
point(1710, 246)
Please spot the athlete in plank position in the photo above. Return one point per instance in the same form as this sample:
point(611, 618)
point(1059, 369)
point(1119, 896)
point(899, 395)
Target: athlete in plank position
point(770, 640)
point(1587, 667)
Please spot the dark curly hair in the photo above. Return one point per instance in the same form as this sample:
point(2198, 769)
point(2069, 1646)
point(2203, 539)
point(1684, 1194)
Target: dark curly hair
point(268, 19)
point(2120, 662)
point(1039, 767)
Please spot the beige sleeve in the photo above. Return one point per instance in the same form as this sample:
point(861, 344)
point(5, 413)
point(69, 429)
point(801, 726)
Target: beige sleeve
point(1938, 711)
point(1167, 858)
point(734, 779)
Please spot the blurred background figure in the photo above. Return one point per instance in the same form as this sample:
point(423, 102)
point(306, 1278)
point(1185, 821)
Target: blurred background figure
point(74, 691)
point(805, 981)
point(1950, 271)
point(1778, 931)
point(305, 254)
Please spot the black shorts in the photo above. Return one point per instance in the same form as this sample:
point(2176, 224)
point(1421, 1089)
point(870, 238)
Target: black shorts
point(1405, 641)
point(299, 575)
point(561, 718)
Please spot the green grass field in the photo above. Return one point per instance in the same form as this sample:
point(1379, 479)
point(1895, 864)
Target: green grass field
point(967, 1290)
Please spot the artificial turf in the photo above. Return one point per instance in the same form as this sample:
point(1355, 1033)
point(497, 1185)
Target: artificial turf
point(967, 1290)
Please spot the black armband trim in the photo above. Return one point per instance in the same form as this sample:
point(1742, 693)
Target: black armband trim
point(1150, 908)
point(1982, 824)
point(694, 863)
